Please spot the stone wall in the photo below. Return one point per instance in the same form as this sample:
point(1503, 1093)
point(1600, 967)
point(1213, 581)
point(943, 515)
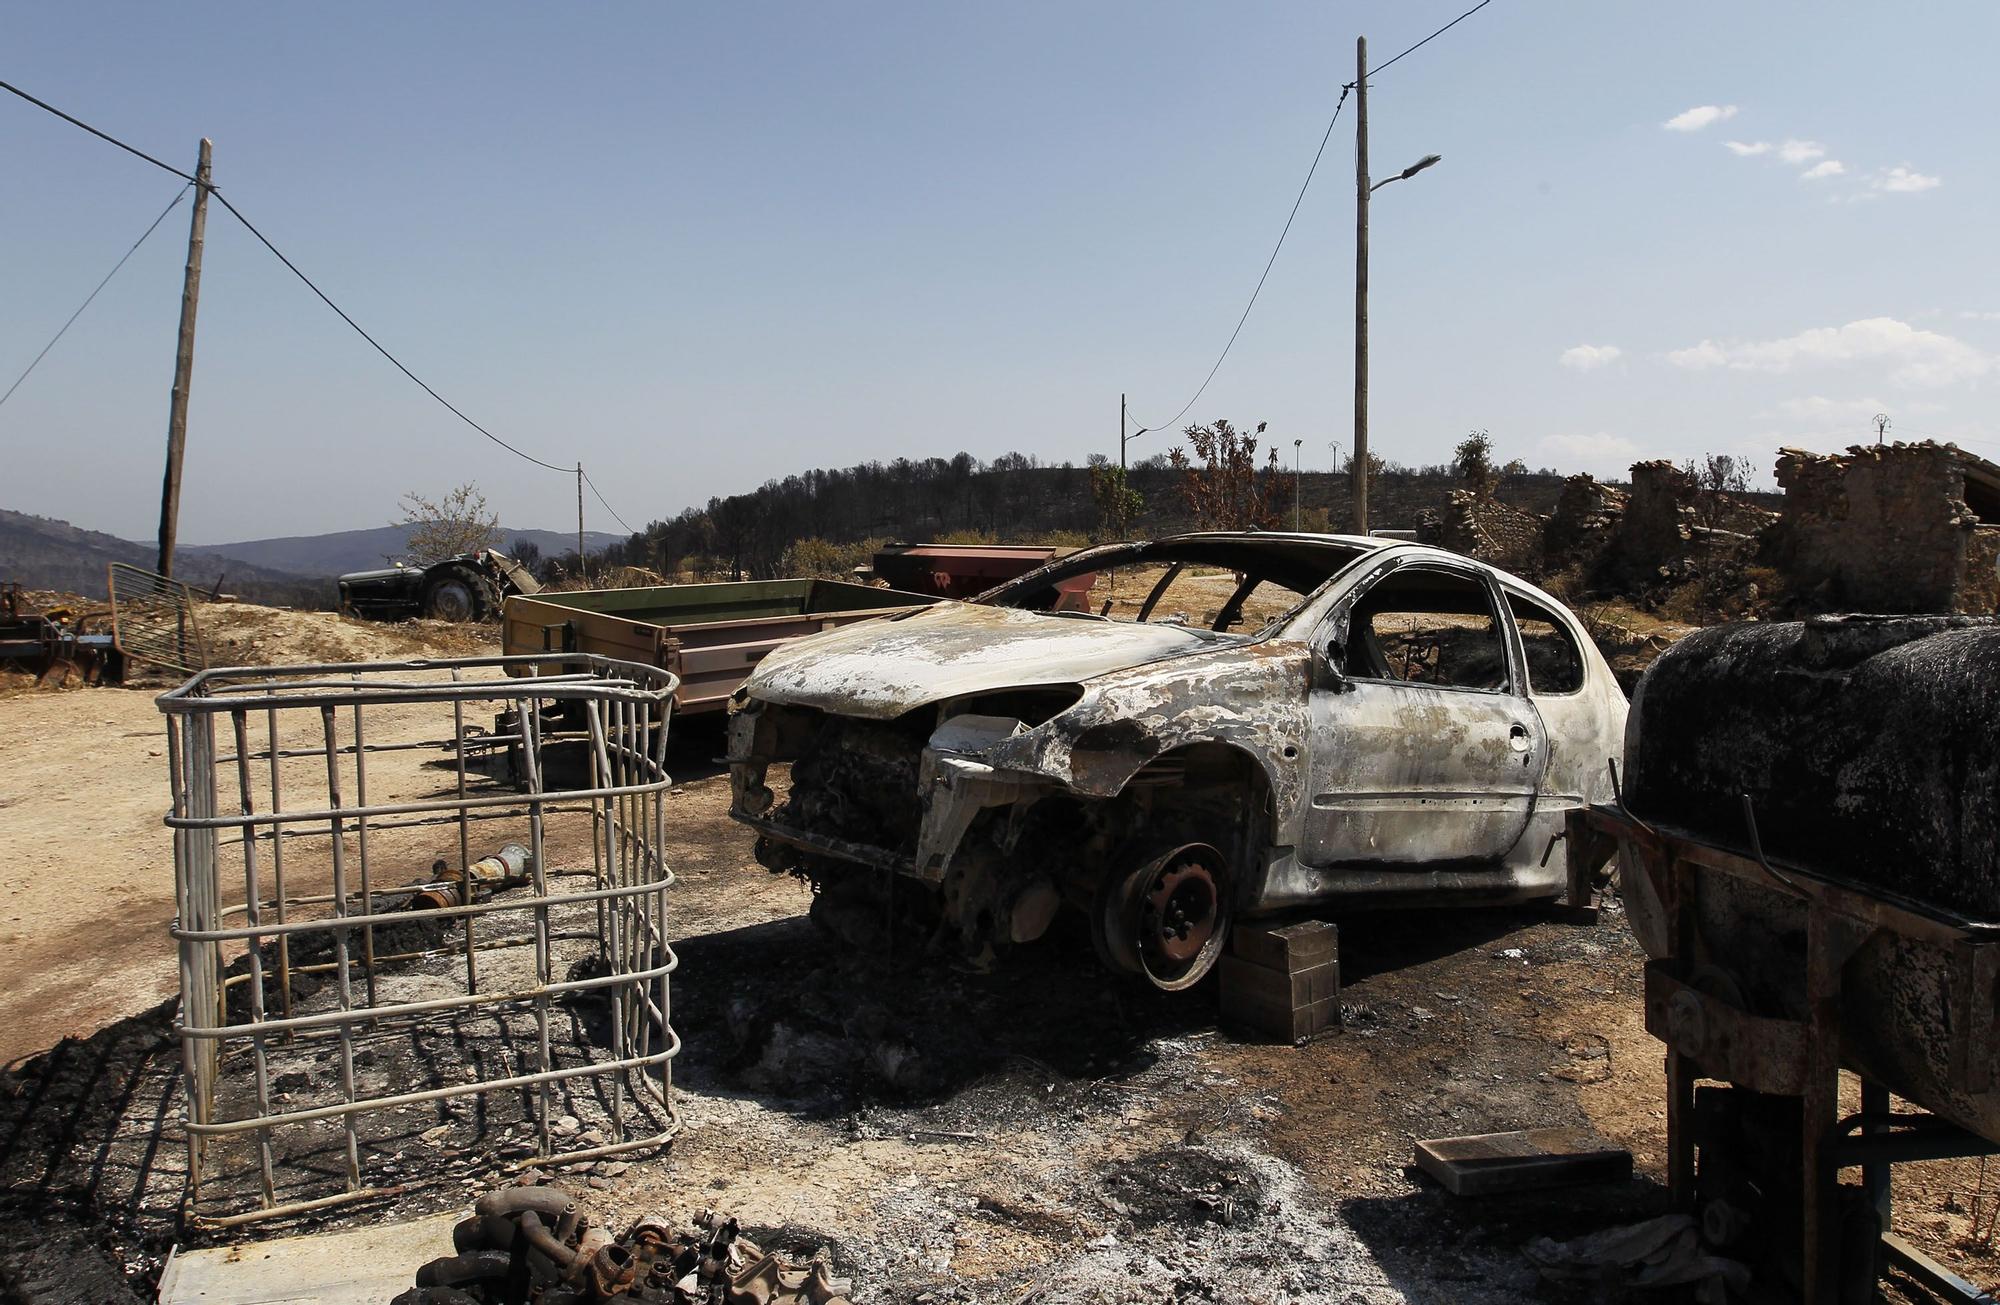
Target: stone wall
point(1654, 535)
point(1586, 513)
point(1888, 529)
point(1483, 527)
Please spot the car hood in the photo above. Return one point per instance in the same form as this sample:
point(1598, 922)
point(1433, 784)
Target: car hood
point(885, 667)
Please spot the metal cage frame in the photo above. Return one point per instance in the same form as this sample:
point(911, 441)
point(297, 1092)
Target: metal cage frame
point(618, 711)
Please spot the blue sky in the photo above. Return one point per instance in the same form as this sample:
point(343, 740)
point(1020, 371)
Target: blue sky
point(697, 247)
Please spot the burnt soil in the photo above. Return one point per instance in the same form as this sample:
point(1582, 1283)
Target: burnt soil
point(1037, 1131)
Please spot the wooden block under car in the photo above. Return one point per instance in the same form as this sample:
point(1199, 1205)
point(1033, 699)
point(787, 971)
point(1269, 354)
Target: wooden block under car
point(1283, 982)
point(1524, 1160)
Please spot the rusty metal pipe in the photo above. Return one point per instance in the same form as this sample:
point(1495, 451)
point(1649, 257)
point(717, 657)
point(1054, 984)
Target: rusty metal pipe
point(551, 1201)
point(540, 1238)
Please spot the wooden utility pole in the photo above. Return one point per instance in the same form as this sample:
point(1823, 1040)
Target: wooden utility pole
point(1358, 464)
point(1121, 436)
point(581, 570)
point(177, 412)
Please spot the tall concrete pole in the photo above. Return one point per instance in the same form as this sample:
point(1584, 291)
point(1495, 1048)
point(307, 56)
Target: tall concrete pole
point(177, 411)
point(1121, 437)
point(581, 570)
point(1359, 463)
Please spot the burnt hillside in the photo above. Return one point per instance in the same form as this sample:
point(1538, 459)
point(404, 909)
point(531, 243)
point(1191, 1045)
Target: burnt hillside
point(1015, 497)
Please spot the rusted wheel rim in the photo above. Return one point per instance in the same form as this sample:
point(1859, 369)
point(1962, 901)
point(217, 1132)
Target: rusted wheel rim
point(452, 601)
point(1182, 911)
point(1166, 921)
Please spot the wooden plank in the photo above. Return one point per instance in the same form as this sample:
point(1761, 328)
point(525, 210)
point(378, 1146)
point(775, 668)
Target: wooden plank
point(1524, 1160)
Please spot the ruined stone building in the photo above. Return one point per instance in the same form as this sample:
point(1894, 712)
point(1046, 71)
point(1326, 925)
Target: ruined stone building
point(1890, 528)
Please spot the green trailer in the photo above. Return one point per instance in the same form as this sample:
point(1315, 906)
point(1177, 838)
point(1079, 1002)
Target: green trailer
point(711, 635)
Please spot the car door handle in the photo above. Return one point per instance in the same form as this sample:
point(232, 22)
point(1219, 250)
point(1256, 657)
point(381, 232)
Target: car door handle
point(1517, 738)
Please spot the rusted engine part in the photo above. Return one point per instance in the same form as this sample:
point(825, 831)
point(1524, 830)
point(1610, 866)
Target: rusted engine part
point(875, 798)
point(511, 867)
point(536, 1246)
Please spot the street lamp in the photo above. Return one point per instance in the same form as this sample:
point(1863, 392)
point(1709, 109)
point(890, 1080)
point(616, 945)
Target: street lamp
point(1123, 438)
point(1363, 188)
point(1426, 161)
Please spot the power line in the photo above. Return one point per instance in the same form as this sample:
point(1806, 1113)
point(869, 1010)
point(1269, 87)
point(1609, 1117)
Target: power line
point(101, 135)
point(1344, 92)
point(393, 359)
point(1268, 263)
point(294, 269)
point(171, 205)
point(1381, 67)
point(607, 507)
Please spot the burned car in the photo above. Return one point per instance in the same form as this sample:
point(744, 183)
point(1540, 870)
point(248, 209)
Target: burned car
point(1261, 724)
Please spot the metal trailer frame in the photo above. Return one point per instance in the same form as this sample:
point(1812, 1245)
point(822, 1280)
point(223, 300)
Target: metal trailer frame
point(1708, 1037)
point(625, 710)
point(154, 619)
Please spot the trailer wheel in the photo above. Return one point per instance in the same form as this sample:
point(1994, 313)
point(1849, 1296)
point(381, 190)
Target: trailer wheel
point(455, 594)
point(1167, 921)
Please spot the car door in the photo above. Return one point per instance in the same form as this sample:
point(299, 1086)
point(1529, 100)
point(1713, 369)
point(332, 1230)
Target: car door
point(1425, 747)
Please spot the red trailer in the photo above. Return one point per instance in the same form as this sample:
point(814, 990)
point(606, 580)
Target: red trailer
point(966, 570)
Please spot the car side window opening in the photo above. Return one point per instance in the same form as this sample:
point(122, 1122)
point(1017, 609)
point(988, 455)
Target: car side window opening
point(1420, 625)
point(1555, 663)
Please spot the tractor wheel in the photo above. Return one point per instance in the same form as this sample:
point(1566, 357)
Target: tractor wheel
point(1168, 920)
point(456, 594)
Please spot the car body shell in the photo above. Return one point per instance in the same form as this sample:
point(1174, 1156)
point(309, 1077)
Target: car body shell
point(1356, 788)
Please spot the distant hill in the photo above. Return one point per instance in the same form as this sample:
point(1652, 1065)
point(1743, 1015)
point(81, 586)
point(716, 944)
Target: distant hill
point(43, 553)
point(358, 550)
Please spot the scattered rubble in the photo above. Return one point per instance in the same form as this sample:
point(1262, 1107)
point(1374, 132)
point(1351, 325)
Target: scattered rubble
point(536, 1245)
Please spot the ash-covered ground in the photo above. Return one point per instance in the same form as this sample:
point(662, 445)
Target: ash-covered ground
point(1038, 1132)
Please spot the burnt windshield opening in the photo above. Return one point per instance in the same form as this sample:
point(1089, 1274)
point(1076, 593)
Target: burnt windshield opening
point(1232, 585)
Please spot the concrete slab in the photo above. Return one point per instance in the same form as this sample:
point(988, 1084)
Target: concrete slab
point(362, 1266)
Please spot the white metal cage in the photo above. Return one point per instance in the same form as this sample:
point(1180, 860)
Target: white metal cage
point(353, 970)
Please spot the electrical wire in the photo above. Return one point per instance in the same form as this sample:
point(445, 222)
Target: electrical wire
point(607, 507)
point(1380, 68)
point(396, 362)
point(1345, 90)
point(101, 135)
point(171, 205)
point(294, 269)
point(1268, 263)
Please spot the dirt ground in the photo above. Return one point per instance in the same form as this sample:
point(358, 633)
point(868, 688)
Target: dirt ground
point(1037, 1132)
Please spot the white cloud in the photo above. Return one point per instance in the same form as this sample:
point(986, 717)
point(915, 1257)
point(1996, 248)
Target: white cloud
point(1830, 168)
point(1702, 115)
point(1600, 453)
point(1796, 152)
point(1695, 357)
point(1916, 357)
point(1589, 357)
point(1975, 315)
point(1902, 181)
point(1747, 149)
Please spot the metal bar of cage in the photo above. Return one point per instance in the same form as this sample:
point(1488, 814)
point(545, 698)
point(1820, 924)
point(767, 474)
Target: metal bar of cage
point(242, 963)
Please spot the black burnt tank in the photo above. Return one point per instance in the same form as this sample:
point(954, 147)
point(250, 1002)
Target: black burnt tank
point(1869, 745)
